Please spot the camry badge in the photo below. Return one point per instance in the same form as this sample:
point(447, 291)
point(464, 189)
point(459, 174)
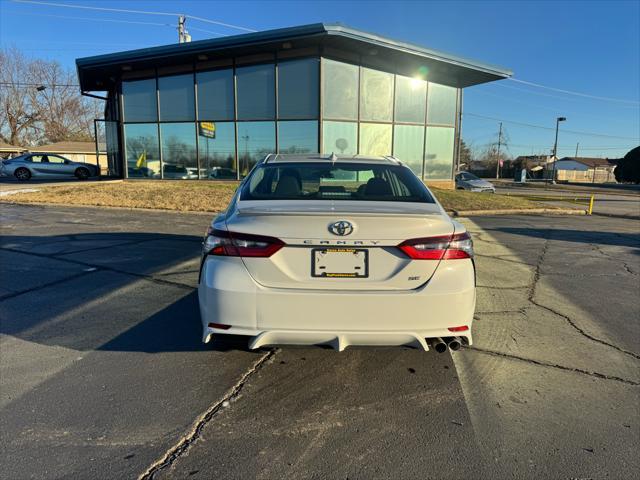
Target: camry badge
point(341, 228)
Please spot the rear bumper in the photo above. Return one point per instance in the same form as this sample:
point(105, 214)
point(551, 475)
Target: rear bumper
point(228, 295)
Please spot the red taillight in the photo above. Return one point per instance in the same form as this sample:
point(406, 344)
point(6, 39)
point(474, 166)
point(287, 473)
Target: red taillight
point(233, 244)
point(463, 328)
point(447, 247)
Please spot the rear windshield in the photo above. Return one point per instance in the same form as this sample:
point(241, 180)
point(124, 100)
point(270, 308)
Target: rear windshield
point(334, 181)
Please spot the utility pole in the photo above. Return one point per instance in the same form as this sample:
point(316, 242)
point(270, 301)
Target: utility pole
point(577, 145)
point(498, 159)
point(183, 35)
point(555, 149)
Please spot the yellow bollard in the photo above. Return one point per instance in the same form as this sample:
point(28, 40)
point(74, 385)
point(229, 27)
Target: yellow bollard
point(590, 210)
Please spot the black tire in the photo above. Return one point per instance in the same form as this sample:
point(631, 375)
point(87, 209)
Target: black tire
point(82, 173)
point(22, 174)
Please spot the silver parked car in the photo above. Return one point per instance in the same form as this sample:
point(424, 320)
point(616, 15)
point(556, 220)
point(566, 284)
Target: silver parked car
point(46, 165)
point(468, 181)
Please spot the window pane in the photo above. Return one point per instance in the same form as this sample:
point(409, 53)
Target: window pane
point(408, 146)
point(298, 137)
point(176, 98)
point(140, 101)
point(215, 95)
point(340, 138)
point(256, 92)
point(411, 99)
point(298, 89)
point(217, 150)
point(255, 140)
point(339, 90)
point(441, 109)
point(376, 95)
point(375, 139)
point(179, 150)
point(439, 155)
point(143, 153)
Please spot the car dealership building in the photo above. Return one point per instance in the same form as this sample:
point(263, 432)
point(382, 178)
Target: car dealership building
point(211, 109)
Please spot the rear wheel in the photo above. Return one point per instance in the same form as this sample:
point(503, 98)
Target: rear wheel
point(82, 173)
point(22, 174)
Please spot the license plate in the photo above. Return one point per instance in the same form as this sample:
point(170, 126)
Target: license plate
point(340, 263)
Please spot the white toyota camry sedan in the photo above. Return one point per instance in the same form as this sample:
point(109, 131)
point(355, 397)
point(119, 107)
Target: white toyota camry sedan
point(339, 251)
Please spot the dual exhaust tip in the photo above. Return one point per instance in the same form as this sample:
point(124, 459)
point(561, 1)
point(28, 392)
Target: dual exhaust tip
point(440, 345)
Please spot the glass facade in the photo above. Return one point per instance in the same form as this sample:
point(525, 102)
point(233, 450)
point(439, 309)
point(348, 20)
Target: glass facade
point(142, 150)
point(298, 89)
point(217, 123)
point(298, 136)
point(255, 141)
point(179, 160)
point(215, 95)
point(177, 101)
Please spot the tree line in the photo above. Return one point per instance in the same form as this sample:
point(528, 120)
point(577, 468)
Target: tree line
point(39, 103)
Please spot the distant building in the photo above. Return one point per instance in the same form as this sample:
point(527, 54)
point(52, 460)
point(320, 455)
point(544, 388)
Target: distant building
point(585, 169)
point(9, 151)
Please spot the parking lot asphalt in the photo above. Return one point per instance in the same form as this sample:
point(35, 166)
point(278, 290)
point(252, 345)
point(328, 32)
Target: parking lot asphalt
point(102, 373)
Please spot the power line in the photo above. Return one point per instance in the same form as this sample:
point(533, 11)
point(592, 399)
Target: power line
point(550, 128)
point(579, 94)
point(143, 12)
point(22, 84)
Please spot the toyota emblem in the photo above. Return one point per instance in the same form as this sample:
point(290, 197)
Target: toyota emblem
point(341, 228)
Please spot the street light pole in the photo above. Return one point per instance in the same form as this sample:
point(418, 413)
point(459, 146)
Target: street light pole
point(555, 149)
point(498, 159)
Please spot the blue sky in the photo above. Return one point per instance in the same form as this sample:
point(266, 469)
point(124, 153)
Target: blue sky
point(590, 47)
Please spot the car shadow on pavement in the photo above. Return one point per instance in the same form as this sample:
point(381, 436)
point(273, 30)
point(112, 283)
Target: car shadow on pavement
point(175, 328)
point(119, 291)
point(577, 236)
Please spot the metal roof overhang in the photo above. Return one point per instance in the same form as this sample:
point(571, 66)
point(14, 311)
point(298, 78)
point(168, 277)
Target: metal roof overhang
point(102, 72)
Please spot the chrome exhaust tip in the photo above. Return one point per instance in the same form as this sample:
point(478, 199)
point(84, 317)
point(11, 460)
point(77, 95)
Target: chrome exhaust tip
point(439, 345)
point(454, 343)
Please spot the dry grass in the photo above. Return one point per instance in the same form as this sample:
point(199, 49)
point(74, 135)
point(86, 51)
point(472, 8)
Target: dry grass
point(464, 200)
point(208, 196)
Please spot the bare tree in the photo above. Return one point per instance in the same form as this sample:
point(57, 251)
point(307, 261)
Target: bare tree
point(18, 115)
point(32, 115)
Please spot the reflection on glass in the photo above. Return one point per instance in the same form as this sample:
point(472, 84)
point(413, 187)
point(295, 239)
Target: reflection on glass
point(256, 92)
point(255, 141)
point(176, 98)
point(142, 150)
point(298, 88)
point(408, 146)
point(439, 155)
point(441, 108)
point(139, 99)
point(179, 159)
point(376, 95)
point(215, 95)
point(340, 138)
point(298, 137)
point(375, 139)
point(216, 142)
point(411, 99)
point(339, 90)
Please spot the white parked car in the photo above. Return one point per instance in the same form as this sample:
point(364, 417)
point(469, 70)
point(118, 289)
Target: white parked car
point(338, 251)
point(468, 181)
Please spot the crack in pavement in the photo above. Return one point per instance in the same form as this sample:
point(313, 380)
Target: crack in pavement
point(150, 278)
point(532, 292)
point(185, 442)
point(598, 249)
point(552, 365)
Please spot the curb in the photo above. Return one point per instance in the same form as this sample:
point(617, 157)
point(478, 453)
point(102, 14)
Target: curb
point(102, 207)
point(519, 211)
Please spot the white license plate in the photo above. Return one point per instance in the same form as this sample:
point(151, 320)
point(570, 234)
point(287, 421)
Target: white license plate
point(340, 262)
